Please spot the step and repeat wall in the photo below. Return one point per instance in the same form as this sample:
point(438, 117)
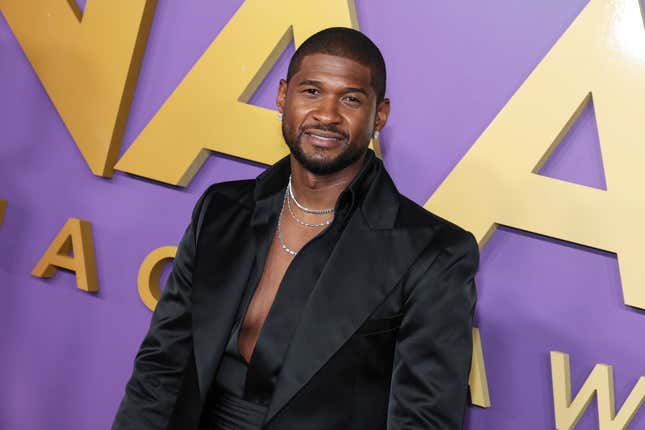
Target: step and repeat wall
point(523, 122)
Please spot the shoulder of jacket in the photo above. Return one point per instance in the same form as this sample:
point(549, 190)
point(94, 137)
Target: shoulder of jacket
point(447, 233)
point(447, 245)
point(231, 192)
point(239, 191)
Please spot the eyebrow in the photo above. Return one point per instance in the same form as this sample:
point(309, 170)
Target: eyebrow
point(357, 90)
point(309, 82)
point(347, 90)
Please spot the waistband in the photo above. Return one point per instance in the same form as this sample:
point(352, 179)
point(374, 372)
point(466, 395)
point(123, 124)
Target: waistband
point(229, 412)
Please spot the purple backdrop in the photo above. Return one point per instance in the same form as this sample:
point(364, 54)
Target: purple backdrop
point(66, 354)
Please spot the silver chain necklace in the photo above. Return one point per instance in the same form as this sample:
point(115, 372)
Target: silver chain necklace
point(311, 211)
point(306, 224)
point(282, 244)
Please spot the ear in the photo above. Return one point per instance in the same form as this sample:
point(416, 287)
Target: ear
point(382, 113)
point(282, 95)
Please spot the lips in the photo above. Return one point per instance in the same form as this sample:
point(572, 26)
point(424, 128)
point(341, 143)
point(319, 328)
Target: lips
point(324, 138)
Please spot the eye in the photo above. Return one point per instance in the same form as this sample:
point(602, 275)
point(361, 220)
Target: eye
point(311, 91)
point(352, 101)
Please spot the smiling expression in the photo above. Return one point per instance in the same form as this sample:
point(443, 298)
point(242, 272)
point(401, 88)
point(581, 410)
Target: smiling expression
point(330, 112)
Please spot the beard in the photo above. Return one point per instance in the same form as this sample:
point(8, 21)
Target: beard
point(318, 164)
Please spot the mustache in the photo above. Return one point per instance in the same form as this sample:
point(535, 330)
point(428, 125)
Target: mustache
point(321, 127)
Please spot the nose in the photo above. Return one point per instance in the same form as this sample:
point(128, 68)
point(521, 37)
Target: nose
point(327, 112)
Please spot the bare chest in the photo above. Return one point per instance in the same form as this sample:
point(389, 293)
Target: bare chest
point(258, 309)
point(275, 267)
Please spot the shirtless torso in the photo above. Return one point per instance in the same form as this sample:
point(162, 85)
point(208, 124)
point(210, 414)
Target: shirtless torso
point(277, 262)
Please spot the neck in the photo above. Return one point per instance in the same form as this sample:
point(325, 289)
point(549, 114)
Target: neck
point(321, 191)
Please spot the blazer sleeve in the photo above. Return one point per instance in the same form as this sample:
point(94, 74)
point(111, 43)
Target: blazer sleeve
point(434, 343)
point(151, 392)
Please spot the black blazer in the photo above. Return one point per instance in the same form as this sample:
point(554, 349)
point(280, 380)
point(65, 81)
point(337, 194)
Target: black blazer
point(384, 341)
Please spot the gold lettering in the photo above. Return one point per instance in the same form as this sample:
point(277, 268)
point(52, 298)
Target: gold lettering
point(208, 110)
point(71, 249)
point(496, 181)
point(600, 382)
point(149, 279)
point(478, 380)
point(87, 63)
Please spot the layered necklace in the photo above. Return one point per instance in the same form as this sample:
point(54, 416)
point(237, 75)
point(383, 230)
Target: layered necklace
point(288, 197)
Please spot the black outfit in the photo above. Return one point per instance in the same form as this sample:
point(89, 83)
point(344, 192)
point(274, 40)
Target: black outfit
point(370, 327)
point(239, 404)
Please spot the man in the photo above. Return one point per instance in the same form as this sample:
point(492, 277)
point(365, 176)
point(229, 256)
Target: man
point(316, 296)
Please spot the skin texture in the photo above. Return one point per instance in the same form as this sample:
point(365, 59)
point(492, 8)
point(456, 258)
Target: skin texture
point(328, 97)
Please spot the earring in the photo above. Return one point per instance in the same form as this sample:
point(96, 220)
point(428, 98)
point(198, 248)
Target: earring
point(280, 116)
point(376, 134)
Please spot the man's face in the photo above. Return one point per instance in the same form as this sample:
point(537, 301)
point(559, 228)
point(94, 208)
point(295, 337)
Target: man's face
point(329, 112)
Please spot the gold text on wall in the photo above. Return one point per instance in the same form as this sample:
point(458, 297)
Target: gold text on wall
point(87, 63)
point(72, 249)
point(600, 383)
point(208, 110)
point(601, 54)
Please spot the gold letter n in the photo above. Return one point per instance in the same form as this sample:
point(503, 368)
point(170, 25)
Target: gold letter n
point(87, 63)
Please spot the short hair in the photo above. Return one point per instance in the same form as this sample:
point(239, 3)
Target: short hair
point(347, 43)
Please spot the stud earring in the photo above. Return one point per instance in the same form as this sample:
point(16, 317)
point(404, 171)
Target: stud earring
point(280, 116)
point(376, 134)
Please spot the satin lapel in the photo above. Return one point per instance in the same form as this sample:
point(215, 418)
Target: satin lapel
point(364, 267)
point(226, 251)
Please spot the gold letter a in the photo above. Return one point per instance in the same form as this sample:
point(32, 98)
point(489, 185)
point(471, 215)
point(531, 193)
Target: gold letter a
point(602, 53)
point(208, 110)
